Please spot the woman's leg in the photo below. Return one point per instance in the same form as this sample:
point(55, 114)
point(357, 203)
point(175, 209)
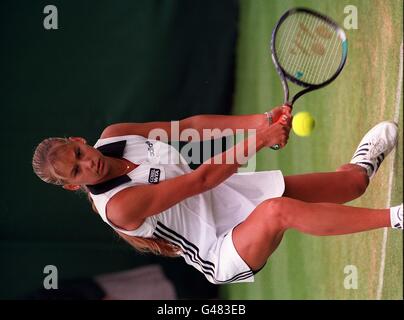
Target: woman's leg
point(347, 183)
point(259, 235)
point(350, 180)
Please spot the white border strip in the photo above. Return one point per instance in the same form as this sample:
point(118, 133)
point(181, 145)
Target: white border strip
point(391, 175)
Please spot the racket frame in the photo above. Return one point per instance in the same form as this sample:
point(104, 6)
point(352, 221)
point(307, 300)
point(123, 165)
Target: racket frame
point(285, 75)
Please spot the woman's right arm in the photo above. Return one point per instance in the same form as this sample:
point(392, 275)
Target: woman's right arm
point(129, 207)
point(222, 166)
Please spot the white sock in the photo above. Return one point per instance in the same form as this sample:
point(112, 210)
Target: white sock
point(396, 217)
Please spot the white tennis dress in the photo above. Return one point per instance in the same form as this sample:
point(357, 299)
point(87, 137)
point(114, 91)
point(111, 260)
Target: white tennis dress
point(200, 225)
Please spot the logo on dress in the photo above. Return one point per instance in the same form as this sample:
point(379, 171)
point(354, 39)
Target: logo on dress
point(154, 175)
point(150, 148)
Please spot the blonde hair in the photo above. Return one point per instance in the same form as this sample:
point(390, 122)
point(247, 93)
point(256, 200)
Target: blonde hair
point(41, 162)
point(42, 158)
point(156, 246)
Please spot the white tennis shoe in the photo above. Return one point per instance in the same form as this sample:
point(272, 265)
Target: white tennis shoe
point(396, 217)
point(375, 146)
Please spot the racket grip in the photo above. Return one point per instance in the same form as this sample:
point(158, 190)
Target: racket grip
point(275, 147)
point(290, 105)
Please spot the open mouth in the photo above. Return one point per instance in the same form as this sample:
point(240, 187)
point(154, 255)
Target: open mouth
point(99, 166)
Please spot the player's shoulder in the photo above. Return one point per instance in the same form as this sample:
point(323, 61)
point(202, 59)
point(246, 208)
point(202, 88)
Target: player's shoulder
point(112, 130)
point(122, 215)
point(126, 128)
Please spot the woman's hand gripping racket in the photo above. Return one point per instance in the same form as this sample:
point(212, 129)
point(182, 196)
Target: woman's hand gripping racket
point(308, 49)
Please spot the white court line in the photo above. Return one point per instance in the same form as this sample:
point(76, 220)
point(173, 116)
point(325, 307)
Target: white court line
point(391, 175)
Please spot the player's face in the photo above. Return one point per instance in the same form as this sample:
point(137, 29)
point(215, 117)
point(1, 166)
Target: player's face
point(77, 163)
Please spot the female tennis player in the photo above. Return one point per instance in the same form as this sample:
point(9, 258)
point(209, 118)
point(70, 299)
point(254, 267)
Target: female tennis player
point(225, 224)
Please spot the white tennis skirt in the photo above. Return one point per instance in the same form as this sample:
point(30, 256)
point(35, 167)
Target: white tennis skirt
point(202, 225)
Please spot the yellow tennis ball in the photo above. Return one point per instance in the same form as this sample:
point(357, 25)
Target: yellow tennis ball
point(303, 124)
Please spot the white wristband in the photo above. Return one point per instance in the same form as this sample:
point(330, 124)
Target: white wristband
point(269, 117)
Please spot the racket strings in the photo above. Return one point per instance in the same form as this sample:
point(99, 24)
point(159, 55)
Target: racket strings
point(308, 48)
point(298, 63)
point(304, 60)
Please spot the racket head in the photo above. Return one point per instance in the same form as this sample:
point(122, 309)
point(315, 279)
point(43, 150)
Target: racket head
point(308, 48)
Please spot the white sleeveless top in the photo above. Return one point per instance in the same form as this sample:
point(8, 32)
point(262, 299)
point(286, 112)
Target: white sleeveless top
point(197, 224)
point(235, 197)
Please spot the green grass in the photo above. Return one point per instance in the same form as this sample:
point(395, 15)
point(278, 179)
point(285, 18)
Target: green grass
point(307, 267)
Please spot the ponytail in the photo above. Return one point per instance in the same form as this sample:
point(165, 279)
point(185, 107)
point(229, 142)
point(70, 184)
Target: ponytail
point(156, 246)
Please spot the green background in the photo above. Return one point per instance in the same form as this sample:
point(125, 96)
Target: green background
point(126, 61)
point(151, 60)
point(367, 91)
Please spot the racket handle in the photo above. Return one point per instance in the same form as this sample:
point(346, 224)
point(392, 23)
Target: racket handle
point(277, 146)
point(289, 104)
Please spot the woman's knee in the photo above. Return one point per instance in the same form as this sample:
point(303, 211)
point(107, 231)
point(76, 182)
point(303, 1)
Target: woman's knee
point(278, 211)
point(357, 177)
point(361, 182)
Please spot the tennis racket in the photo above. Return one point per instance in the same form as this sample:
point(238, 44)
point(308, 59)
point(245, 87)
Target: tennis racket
point(308, 49)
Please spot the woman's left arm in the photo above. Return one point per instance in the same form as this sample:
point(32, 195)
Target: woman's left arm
point(217, 126)
point(233, 122)
point(200, 127)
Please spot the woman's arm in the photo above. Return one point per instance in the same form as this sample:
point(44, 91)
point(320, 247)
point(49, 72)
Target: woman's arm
point(205, 126)
point(234, 122)
point(129, 207)
point(143, 129)
point(214, 126)
point(220, 167)
point(217, 126)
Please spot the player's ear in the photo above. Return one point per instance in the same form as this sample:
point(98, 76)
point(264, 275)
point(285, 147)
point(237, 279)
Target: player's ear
point(78, 139)
point(71, 187)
